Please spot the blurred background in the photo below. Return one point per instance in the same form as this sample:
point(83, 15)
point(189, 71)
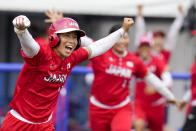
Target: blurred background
point(96, 17)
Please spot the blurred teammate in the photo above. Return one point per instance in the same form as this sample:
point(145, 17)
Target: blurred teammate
point(190, 124)
point(162, 45)
point(190, 96)
point(110, 105)
point(46, 69)
point(149, 106)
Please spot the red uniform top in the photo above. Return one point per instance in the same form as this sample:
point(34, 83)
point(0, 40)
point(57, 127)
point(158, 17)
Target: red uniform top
point(112, 76)
point(156, 66)
point(193, 81)
point(40, 81)
point(165, 56)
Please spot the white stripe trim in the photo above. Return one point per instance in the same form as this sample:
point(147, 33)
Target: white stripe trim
point(158, 102)
point(193, 103)
point(18, 116)
point(99, 104)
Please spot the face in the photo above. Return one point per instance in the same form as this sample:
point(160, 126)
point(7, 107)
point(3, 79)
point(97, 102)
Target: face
point(122, 45)
point(158, 43)
point(144, 51)
point(67, 45)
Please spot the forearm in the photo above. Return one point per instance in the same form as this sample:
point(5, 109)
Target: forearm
point(101, 46)
point(187, 96)
point(29, 45)
point(157, 84)
point(173, 33)
point(140, 28)
point(167, 79)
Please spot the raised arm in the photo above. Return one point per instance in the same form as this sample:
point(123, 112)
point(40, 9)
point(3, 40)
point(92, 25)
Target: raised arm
point(173, 33)
point(29, 45)
point(101, 46)
point(140, 26)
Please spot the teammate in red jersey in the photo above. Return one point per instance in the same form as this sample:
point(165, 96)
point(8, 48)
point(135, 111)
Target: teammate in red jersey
point(110, 105)
point(149, 106)
point(46, 69)
point(191, 117)
point(163, 45)
point(190, 97)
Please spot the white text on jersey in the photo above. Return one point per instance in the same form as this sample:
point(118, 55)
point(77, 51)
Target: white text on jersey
point(119, 71)
point(54, 78)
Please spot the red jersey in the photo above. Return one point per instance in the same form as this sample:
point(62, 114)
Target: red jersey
point(156, 66)
point(193, 81)
point(40, 81)
point(112, 76)
point(165, 56)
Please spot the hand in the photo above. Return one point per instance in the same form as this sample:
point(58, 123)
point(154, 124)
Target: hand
point(128, 22)
point(174, 101)
point(21, 22)
point(140, 8)
point(53, 15)
point(181, 9)
point(181, 105)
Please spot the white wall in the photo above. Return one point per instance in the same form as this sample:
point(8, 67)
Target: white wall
point(156, 8)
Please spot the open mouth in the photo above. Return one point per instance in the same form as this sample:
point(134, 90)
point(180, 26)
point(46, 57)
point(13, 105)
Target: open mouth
point(69, 47)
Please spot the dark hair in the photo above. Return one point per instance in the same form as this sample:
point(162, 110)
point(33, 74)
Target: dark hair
point(159, 33)
point(114, 28)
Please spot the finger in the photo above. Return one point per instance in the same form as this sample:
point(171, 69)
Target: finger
point(61, 13)
point(47, 13)
point(48, 21)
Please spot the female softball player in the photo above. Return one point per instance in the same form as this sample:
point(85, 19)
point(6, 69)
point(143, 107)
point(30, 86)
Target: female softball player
point(110, 105)
point(46, 69)
point(149, 106)
point(191, 117)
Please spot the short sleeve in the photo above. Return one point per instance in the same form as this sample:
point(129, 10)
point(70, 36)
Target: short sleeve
point(38, 58)
point(79, 56)
point(141, 69)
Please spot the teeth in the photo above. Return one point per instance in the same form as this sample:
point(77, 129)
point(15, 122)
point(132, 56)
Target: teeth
point(69, 46)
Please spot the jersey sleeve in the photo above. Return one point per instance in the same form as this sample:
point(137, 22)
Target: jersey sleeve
point(141, 70)
point(79, 56)
point(40, 57)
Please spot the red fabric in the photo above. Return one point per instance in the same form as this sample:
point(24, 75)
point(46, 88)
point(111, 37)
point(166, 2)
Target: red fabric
point(112, 76)
point(110, 119)
point(156, 66)
point(188, 109)
point(154, 116)
point(165, 56)
point(193, 80)
point(40, 81)
point(11, 123)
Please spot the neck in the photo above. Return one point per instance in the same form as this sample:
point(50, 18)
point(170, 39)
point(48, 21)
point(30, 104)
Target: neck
point(56, 51)
point(120, 54)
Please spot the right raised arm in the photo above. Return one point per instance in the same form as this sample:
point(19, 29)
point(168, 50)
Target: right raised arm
point(140, 26)
point(29, 45)
point(101, 46)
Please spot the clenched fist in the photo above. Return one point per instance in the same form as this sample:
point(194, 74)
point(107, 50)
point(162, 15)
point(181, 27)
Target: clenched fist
point(21, 23)
point(128, 22)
